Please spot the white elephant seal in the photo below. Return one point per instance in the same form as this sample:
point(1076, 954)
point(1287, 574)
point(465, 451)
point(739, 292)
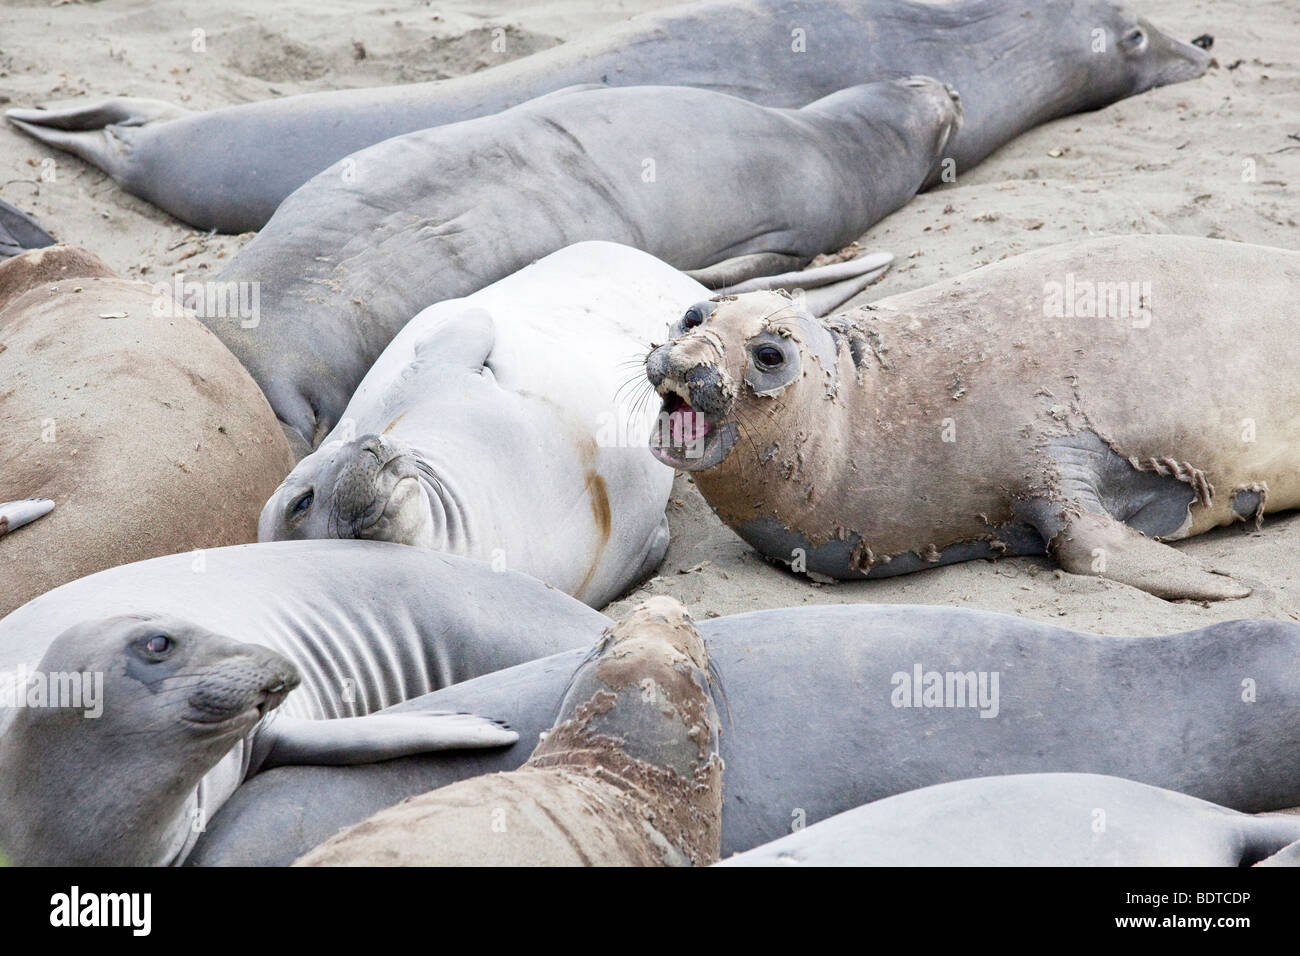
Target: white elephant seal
point(628, 775)
point(349, 627)
point(1040, 819)
point(1090, 400)
point(500, 427)
point(353, 255)
point(1017, 64)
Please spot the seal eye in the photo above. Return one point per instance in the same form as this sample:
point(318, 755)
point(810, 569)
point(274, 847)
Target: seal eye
point(298, 507)
point(1134, 40)
point(160, 645)
point(769, 357)
point(693, 318)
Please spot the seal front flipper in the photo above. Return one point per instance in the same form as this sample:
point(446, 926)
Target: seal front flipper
point(15, 514)
point(1097, 544)
point(355, 740)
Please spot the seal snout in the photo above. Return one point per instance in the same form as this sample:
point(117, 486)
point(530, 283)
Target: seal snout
point(255, 679)
point(696, 400)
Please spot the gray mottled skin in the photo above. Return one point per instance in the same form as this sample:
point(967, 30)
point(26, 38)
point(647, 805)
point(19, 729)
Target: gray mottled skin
point(354, 254)
point(809, 728)
point(1017, 64)
point(365, 624)
point(1047, 819)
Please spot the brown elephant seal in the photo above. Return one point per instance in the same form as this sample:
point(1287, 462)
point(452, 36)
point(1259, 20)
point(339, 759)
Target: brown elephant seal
point(629, 775)
point(128, 414)
point(1090, 400)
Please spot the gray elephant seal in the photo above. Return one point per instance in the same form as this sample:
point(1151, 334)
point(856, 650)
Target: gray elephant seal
point(365, 625)
point(369, 624)
point(1015, 66)
point(124, 786)
point(1042, 819)
point(455, 208)
point(180, 717)
point(993, 413)
point(629, 775)
point(128, 414)
point(823, 712)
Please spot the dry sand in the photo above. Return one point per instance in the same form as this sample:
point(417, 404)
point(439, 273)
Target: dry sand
point(1168, 161)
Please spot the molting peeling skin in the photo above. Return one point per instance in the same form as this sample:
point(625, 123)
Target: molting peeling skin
point(1091, 434)
point(629, 775)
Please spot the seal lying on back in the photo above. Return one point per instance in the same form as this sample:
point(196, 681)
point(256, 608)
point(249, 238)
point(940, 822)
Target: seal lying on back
point(355, 625)
point(493, 427)
point(629, 775)
point(129, 415)
point(1041, 819)
point(827, 708)
point(1091, 399)
point(354, 254)
point(1017, 65)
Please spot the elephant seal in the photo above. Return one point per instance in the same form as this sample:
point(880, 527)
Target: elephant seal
point(994, 413)
point(1037, 819)
point(533, 368)
point(128, 414)
point(19, 232)
point(628, 775)
point(132, 730)
point(368, 624)
point(827, 708)
point(453, 209)
point(1016, 67)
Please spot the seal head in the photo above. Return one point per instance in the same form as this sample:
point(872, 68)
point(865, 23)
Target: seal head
point(726, 360)
point(371, 487)
point(108, 778)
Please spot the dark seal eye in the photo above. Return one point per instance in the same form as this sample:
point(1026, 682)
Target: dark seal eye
point(1135, 39)
point(769, 357)
point(300, 504)
point(693, 317)
point(160, 645)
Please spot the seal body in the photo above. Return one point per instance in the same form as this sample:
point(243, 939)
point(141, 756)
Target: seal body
point(129, 415)
point(1091, 399)
point(1016, 67)
point(825, 710)
point(629, 775)
point(500, 427)
point(359, 625)
point(353, 255)
point(1049, 819)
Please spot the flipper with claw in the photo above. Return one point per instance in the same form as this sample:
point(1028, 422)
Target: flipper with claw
point(100, 133)
point(1097, 544)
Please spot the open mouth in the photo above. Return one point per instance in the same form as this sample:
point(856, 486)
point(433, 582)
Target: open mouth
point(682, 434)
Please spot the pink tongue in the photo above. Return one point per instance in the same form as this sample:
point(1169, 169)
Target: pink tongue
point(688, 426)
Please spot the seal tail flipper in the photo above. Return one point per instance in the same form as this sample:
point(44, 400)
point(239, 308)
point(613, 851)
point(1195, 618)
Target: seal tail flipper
point(100, 133)
point(15, 514)
point(1097, 544)
point(832, 285)
point(19, 232)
